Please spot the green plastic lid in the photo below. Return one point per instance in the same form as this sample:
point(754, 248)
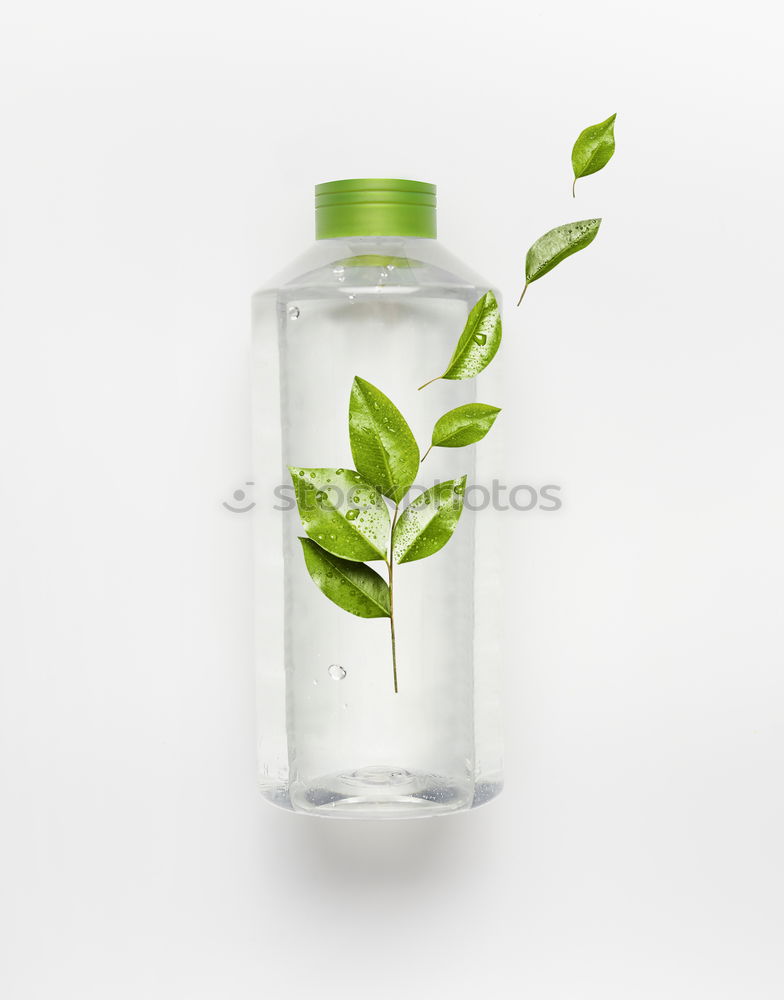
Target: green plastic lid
point(375, 206)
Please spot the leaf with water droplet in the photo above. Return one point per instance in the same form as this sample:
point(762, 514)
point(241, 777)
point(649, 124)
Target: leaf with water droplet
point(478, 343)
point(384, 449)
point(593, 149)
point(427, 524)
point(353, 586)
point(325, 507)
point(464, 425)
point(549, 250)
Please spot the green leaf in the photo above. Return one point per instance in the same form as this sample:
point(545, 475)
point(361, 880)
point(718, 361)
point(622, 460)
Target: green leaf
point(593, 149)
point(342, 512)
point(464, 425)
point(353, 586)
point(479, 341)
point(427, 524)
point(555, 246)
point(384, 449)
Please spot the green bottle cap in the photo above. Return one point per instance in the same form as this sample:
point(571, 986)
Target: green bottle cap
point(375, 206)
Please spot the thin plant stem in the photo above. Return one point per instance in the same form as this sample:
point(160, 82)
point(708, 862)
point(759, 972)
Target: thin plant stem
point(432, 380)
point(573, 187)
point(522, 293)
point(426, 453)
point(390, 563)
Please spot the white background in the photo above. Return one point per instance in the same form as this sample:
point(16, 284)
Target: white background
point(157, 165)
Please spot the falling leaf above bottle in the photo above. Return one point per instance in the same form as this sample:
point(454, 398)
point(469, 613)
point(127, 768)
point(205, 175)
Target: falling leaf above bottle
point(556, 245)
point(593, 149)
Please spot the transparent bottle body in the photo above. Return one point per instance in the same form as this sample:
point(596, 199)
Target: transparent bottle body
point(334, 737)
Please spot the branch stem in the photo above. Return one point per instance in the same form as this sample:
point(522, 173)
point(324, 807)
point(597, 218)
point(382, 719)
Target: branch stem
point(426, 453)
point(390, 564)
point(432, 380)
point(573, 187)
point(522, 293)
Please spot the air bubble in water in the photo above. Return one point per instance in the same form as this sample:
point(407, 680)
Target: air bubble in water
point(336, 672)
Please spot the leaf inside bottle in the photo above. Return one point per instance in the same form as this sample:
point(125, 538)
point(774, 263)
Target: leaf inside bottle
point(354, 587)
point(383, 446)
point(427, 523)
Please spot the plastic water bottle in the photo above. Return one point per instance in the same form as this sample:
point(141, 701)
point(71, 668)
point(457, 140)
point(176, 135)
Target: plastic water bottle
point(374, 698)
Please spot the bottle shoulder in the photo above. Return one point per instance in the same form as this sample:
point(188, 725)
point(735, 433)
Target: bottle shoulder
point(420, 266)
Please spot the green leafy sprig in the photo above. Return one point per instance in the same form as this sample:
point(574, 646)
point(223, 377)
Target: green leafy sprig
point(345, 512)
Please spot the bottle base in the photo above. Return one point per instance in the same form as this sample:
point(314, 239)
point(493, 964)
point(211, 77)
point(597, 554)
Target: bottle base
point(381, 792)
